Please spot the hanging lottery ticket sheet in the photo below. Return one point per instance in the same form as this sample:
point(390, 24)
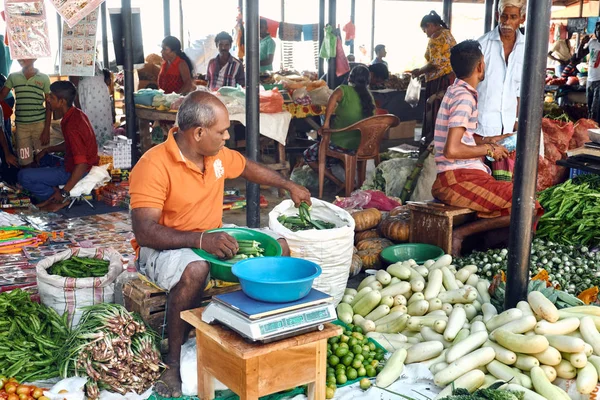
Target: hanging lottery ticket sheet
point(74, 11)
point(78, 52)
point(27, 29)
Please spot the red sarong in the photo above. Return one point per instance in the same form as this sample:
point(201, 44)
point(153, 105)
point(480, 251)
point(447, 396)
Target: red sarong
point(477, 190)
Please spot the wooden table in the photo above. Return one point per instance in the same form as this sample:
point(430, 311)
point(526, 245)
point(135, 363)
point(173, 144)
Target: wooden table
point(255, 370)
point(146, 117)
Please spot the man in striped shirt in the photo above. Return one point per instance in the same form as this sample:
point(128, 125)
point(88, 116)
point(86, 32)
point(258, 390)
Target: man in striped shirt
point(463, 179)
point(224, 69)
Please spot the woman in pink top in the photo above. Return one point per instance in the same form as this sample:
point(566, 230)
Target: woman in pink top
point(175, 76)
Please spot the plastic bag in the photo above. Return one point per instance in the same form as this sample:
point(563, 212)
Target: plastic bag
point(342, 66)
point(271, 101)
point(413, 92)
point(97, 177)
point(328, 48)
point(357, 200)
point(331, 249)
point(320, 96)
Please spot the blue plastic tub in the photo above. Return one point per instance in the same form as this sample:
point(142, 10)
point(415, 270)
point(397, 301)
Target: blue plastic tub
point(276, 279)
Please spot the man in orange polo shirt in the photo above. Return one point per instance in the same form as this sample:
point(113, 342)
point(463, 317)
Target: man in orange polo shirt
point(176, 195)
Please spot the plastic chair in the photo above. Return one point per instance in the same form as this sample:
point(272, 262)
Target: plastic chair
point(371, 130)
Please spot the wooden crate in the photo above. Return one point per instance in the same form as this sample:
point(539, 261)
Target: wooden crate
point(151, 303)
point(432, 223)
point(146, 300)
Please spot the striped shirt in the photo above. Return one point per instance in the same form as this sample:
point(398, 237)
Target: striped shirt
point(230, 74)
point(458, 109)
point(30, 95)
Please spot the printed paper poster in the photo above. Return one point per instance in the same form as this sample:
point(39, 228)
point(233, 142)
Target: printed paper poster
point(78, 53)
point(74, 11)
point(27, 29)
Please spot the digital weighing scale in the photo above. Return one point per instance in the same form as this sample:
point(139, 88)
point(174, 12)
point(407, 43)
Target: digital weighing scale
point(267, 322)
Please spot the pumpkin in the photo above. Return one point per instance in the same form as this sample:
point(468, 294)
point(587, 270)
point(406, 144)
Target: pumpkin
point(369, 258)
point(371, 233)
point(366, 219)
point(396, 228)
point(373, 244)
point(355, 265)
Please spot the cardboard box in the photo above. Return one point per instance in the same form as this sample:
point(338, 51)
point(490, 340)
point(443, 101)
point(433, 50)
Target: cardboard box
point(405, 130)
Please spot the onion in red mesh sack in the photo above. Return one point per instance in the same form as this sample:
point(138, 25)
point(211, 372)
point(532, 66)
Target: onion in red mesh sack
point(557, 132)
point(580, 135)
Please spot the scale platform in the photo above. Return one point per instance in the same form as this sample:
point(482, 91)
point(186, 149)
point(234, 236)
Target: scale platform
point(267, 322)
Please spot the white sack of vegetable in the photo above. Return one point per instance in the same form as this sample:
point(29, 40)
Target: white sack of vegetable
point(331, 249)
point(71, 294)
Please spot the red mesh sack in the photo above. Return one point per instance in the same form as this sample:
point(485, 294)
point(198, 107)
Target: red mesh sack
point(558, 133)
point(271, 101)
point(580, 135)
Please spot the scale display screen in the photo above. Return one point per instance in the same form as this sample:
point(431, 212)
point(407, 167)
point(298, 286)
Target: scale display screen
point(317, 315)
point(271, 327)
point(294, 321)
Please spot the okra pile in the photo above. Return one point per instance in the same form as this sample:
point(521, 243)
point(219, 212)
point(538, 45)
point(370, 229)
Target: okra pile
point(247, 249)
point(30, 336)
point(573, 268)
point(303, 220)
point(76, 267)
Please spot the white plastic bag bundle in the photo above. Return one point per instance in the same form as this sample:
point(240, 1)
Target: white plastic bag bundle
point(71, 294)
point(413, 92)
point(97, 177)
point(331, 249)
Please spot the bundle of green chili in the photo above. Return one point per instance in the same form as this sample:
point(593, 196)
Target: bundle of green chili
point(114, 349)
point(572, 212)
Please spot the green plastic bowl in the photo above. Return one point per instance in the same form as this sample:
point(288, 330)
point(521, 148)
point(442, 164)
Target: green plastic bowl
point(221, 269)
point(420, 252)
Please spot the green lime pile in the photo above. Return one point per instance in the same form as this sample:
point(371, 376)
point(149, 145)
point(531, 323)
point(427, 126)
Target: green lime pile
point(351, 356)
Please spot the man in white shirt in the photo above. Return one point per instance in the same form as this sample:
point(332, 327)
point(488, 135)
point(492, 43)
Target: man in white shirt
point(503, 51)
point(593, 80)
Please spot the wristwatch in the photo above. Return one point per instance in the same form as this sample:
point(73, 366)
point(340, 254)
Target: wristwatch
point(64, 193)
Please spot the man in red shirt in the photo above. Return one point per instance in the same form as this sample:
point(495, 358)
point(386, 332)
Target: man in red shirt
point(80, 148)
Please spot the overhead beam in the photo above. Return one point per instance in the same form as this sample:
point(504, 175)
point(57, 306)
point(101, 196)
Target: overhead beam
point(528, 139)
point(252, 108)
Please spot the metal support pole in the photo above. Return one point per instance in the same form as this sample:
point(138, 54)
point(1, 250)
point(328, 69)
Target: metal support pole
point(59, 29)
point(282, 10)
point(104, 34)
point(353, 20)
point(184, 44)
point(489, 16)
point(373, 29)
point(321, 34)
point(128, 75)
point(530, 121)
point(331, 66)
point(167, 17)
point(447, 12)
point(494, 13)
point(252, 109)
point(580, 8)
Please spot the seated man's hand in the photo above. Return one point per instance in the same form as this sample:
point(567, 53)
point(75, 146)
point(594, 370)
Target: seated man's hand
point(499, 138)
point(45, 137)
point(40, 155)
point(500, 152)
point(10, 159)
point(299, 194)
point(220, 244)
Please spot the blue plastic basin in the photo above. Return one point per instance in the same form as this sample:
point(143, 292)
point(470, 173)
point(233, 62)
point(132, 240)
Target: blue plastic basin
point(276, 279)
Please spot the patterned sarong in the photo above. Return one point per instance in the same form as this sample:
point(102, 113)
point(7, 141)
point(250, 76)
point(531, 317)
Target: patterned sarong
point(477, 190)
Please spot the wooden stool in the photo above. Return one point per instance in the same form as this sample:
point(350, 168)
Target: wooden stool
point(254, 370)
point(432, 223)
